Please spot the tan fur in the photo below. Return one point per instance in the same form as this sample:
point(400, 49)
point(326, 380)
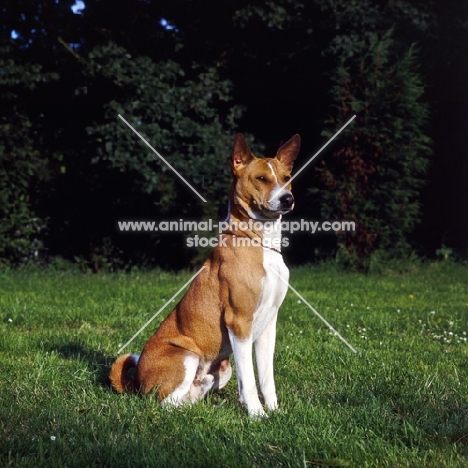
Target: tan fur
point(224, 295)
point(219, 297)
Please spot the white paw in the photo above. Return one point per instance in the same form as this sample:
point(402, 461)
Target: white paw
point(271, 403)
point(256, 411)
point(258, 414)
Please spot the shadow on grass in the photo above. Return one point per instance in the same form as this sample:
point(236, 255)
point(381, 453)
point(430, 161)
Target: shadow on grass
point(98, 363)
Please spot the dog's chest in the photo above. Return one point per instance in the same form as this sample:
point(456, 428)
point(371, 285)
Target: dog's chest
point(274, 288)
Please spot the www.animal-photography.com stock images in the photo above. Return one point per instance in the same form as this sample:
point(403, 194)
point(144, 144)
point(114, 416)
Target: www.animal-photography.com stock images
point(234, 234)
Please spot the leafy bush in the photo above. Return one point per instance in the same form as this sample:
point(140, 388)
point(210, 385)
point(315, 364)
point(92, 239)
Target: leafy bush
point(377, 169)
point(185, 114)
point(21, 162)
point(178, 115)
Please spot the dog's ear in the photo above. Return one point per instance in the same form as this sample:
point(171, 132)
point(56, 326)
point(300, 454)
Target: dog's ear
point(241, 154)
point(287, 153)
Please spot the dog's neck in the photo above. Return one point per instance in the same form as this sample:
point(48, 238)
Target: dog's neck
point(240, 224)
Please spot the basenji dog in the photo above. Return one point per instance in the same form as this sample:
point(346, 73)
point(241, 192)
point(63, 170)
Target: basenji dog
point(232, 305)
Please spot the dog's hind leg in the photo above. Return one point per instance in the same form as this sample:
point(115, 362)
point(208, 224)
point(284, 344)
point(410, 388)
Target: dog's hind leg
point(200, 388)
point(210, 377)
point(169, 375)
point(181, 394)
point(222, 373)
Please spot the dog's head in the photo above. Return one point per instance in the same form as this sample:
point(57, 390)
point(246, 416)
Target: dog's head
point(261, 184)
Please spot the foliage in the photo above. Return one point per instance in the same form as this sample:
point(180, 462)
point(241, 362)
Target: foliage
point(187, 115)
point(376, 172)
point(98, 170)
point(189, 120)
point(255, 66)
point(22, 163)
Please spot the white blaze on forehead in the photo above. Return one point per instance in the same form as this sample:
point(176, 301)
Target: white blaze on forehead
point(272, 172)
point(276, 191)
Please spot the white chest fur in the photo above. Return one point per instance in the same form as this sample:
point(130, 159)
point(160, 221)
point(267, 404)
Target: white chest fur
point(273, 291)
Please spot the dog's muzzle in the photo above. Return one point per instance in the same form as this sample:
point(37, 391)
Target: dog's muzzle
point(280, 205)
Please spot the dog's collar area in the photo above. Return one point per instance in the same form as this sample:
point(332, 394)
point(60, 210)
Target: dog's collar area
point(260, 244)
point(272, 248)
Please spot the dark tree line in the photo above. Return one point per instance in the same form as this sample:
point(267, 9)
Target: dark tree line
point(189, 75)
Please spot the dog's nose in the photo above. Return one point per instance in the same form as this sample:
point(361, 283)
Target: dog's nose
point(287, 200)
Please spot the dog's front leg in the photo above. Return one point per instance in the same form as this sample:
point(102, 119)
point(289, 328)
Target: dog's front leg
point(264, 352)
point(242, 350)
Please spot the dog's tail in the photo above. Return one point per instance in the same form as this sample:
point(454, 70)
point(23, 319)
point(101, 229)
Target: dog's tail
point(120, 377)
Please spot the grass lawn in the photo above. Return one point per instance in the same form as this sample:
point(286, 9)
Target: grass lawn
point(401, 401)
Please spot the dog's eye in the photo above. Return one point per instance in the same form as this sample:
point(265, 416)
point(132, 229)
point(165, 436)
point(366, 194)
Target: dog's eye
point(261, 178)
point(287, 178)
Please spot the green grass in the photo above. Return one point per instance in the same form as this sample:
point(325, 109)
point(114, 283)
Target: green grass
point(402, 401)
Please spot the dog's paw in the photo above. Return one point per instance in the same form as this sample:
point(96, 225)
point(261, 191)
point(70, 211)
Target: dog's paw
point(257, 412)
point(271, 403)
point(258, 416)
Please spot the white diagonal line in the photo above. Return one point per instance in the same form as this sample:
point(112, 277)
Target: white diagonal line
point(162, 159)
point(277, 192)
point(160, 310)
point(315, 312)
